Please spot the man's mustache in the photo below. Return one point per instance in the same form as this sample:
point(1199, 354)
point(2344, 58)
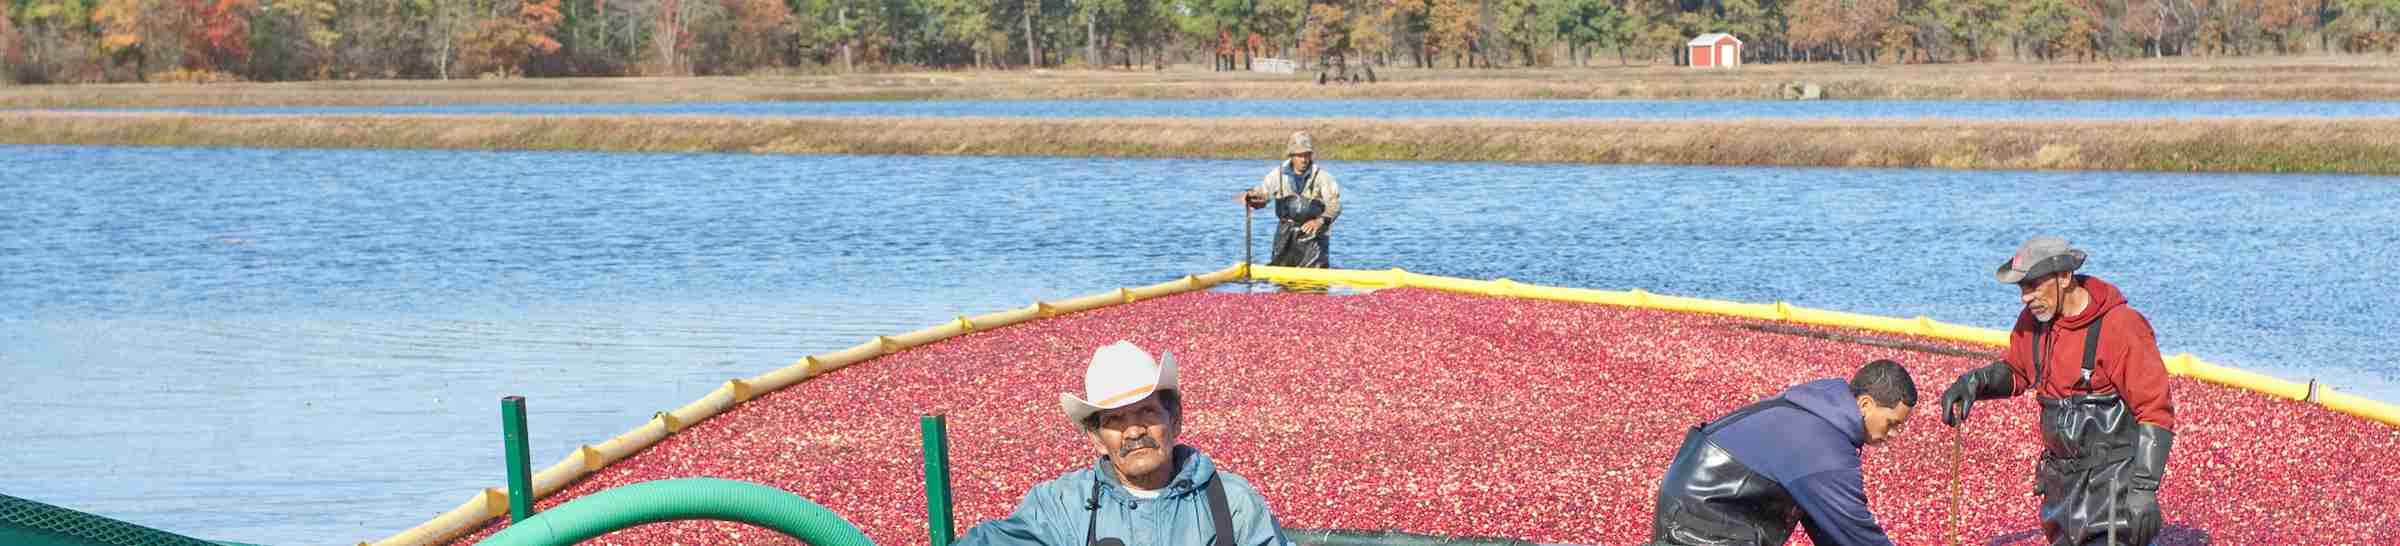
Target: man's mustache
point(1137, 443)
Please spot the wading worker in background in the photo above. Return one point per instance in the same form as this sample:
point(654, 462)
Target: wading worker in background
point(2107, 419)
point(1748, 477)
point(1306, 199)
point(1146, 489)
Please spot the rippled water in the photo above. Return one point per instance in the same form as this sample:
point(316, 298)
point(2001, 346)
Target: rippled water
point(1386, 108)
point(307, 347)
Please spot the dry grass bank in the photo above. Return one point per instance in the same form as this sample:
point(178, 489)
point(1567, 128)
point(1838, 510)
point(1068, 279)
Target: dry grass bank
point(2371, 77)
point(2369, 146)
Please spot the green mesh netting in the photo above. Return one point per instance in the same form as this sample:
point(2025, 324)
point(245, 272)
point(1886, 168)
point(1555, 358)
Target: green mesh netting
point(28, 523)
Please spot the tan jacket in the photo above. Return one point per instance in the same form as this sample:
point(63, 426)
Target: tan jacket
point(1322, 188)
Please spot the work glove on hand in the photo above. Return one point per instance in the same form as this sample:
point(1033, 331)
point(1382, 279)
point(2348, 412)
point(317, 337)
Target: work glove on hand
point(1983, 383)
point(2149, 468)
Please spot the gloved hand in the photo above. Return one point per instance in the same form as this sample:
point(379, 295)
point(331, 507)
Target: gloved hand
point(2149, 469)
point(1983, 383)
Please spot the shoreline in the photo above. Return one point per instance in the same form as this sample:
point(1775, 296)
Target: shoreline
point(2301, 78)
point(2344, 145)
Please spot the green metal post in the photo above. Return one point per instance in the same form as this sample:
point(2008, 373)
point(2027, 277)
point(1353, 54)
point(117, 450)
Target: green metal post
point(937, 479)
point(520, 469)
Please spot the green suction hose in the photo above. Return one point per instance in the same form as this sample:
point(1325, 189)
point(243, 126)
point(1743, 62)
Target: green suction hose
point(682, 499)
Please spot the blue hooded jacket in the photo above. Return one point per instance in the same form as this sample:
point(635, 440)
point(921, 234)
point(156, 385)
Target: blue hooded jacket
point(1054, 513)
point(1813, 452)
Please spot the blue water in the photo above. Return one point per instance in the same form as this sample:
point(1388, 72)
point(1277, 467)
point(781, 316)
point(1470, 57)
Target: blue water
point(306, 347)
point(1386, 108)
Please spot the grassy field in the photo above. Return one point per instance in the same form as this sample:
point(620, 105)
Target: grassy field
point(2369, 146)
point(2370, 77)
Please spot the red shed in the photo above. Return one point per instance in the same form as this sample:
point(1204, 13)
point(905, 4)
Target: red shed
point(1716, 49)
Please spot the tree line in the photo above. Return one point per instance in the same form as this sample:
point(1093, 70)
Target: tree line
point(46, 41)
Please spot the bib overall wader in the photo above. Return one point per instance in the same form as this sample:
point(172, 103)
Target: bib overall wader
point(1293, 249)
point(2100, 468)
point(1710, 499)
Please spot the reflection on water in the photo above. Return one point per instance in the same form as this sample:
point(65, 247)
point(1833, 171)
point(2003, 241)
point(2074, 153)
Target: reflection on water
point(300, 347)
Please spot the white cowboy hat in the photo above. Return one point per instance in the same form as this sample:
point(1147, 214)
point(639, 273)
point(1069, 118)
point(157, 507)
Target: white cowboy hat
point(1120, 375)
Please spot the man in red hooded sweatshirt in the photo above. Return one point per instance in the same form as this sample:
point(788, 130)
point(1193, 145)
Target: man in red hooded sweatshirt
point(2107, 419)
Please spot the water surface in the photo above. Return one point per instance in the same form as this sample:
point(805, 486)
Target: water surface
point(307, 347)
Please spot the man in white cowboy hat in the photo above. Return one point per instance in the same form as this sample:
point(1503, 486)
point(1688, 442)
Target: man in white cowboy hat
point(2107, 417)
point(1307, 200)
point(1146, 489)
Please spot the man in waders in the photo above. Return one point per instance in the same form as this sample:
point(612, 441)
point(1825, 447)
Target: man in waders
point(1307, 200)
point(1146, 489)
point(1750, 476)
point(2107, 419)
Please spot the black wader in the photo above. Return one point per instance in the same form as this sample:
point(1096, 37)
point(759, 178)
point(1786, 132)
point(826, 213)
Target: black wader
point(1709, 499)
point(1292, 249)
point(2094, 458)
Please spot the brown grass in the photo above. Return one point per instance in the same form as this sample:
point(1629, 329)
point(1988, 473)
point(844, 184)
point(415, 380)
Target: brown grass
point(2370, 146)
point(2265, 78)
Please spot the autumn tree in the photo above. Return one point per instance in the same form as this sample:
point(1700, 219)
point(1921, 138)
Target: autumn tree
point(1814, 24)
point(2366, 25)
point(756, 26)
point(1870, 26)
point(220, 34)
point(1327, 37)
point(147, 33)
point(2283, 24)
point(501, 45)
point(1371, 33)
point(1453, 28)
point(11, 47)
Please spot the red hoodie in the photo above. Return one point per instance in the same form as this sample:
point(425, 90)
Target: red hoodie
point(2128, 363)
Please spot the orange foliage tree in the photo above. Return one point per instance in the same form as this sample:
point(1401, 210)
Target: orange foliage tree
point(1814, 23)
point(1327, 36)
point(12, 55)
point(220, 34)
point(1453, 28)
point(756, 24)
point(205, 37)
point(501, 45)
point(2283, 23)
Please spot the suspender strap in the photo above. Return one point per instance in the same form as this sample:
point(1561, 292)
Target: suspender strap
point(2041, 358)
point(1091, 527)
point(2091, 351)
point(1219, 511)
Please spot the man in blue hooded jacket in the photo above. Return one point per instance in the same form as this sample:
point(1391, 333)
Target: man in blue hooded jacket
point(1748, 477)
point(1146, 489)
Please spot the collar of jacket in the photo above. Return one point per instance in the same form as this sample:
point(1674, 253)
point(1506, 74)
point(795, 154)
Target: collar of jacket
point(2105, 298)
point(1193, 470)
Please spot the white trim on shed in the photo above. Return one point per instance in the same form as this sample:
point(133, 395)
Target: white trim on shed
point(1710, 39)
